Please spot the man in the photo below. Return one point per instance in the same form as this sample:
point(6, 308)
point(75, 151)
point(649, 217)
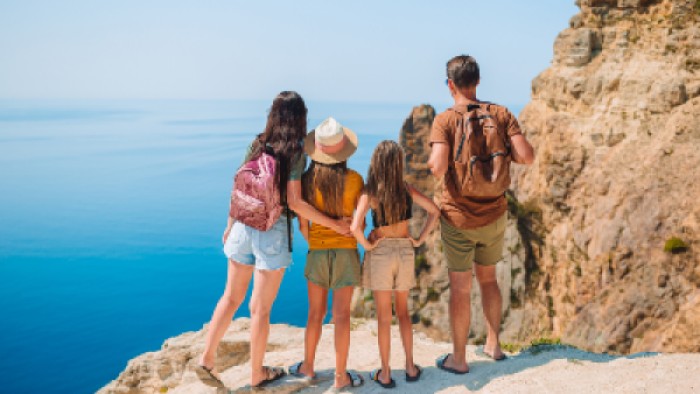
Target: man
point(472, 228)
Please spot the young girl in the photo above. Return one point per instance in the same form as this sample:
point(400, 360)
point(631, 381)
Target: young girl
point(389, 260)
point(333, 262)
point(263, 255)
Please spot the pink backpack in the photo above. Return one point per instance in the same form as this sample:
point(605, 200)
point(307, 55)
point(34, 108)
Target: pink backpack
point(255, 198)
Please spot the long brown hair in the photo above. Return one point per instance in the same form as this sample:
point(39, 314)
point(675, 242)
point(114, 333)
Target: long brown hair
point(283, 135)
point(385, 184)
point(329, 180)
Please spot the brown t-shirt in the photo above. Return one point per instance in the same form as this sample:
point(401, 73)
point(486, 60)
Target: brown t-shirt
point(468, 212)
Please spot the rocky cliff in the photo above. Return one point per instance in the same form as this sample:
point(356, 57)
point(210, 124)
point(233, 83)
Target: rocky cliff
point(169, 370)
point(604, 227)
point(616, 123)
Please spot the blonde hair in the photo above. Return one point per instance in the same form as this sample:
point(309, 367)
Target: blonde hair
point(385, 183)
point(329, 180)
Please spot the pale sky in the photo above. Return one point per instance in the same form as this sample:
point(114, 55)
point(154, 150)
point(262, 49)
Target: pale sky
point(380, 50)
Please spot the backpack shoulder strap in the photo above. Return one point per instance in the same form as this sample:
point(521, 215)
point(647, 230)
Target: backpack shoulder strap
point(289, 228)
point(460, 120)
point(283, 198)
point(287, 211)
point(501, 130)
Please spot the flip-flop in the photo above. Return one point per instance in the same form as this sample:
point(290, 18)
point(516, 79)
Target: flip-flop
point(480, 352)
point(277, 374)
point(356, 380)
point(374, 375)
point(206, 375)
point(295, 370)
point(440, 363)
point(415, 378)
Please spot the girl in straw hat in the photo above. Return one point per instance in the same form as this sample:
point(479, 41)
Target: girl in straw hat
point(333, 263)
point(389, 263)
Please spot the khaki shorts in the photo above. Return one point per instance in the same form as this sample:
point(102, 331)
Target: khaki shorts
point(390, 266)
point(483, 245)
point(333, 268)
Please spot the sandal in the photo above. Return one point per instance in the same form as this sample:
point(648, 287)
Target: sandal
point(207, 376)
point(415, 378)
point(440, 363)
point(356, 380)
point(374, 375)
point(295, 370)
point(481, 352)
point(277, 374)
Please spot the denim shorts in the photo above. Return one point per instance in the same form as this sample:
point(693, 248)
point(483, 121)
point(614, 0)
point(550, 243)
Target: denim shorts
point(266, 250)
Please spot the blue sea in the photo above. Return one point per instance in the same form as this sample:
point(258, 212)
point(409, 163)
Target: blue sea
point(111, 215)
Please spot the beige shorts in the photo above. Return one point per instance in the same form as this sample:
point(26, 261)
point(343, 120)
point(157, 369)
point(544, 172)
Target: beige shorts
point(390, 266)
point(463, 248)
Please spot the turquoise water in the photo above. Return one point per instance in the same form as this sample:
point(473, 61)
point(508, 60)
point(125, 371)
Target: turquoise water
point(111, 216)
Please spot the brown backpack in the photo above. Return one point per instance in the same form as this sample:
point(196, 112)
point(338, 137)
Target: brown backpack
point(482, 153)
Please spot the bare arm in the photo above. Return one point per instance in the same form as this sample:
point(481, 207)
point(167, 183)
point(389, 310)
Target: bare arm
point(304, 209)
point(523, 153)
point(227, 230)
point(439, 159)
point(358, 223)
point(304, 227)
point(433, 214)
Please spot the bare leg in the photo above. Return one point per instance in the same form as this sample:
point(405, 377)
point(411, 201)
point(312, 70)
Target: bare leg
point(406, 329)
point(266, 283)
point(492, 304)
point(460, 309)
point(236, 287)
point(341, 319)
point(382, 301)
point(318, 298)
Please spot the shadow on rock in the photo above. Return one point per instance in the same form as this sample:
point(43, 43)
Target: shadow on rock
point(483, 372)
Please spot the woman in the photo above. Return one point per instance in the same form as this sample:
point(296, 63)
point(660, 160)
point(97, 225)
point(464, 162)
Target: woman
point(333, 262)
point(389, 260)
point(263, 255)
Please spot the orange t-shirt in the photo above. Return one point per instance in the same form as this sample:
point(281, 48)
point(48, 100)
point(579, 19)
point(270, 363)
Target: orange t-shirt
point(321, 237)
point(469, 212)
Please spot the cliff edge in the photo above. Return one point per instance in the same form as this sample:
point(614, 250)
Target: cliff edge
point(557, 368)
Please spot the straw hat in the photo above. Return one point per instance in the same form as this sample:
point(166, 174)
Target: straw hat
point(330, 143)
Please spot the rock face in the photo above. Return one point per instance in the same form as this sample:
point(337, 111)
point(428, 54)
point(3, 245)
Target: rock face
point(616, 124)
point(604, 227)
point(169, 370)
